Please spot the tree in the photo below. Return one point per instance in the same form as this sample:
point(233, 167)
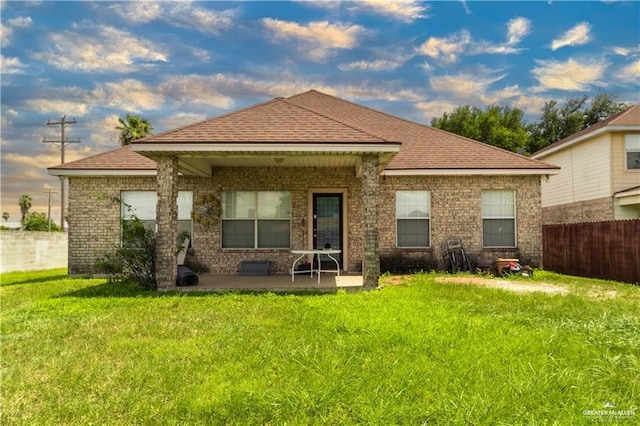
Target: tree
point(6, 216)
point(38, 221)
point(25, 204)
point(134, 127)
point(496, 125)
point(557, 122)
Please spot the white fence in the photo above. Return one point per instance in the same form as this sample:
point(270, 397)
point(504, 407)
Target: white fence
point(32, 251)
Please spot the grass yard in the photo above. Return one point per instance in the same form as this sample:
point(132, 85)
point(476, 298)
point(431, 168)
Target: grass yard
point(419, 351)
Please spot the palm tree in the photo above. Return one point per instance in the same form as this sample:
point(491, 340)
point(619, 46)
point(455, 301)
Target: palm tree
point(25, 205)
point(5, 216)
point(134, 127)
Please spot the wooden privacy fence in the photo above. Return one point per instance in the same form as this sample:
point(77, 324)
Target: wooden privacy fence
point(608, 250)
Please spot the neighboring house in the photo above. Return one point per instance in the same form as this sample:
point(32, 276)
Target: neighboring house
point(600, 172)
point(302, 172)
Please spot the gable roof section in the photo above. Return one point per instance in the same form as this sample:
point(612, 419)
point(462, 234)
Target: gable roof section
point(423, 147)
point(119, 162)
point(628, 119)
point(314, 122)
point(275, 121)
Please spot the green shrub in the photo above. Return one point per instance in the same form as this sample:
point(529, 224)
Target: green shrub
point(134, 259)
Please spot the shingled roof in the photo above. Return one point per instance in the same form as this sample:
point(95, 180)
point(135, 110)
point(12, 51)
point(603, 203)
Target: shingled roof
point(627, 118)
point(316, 119)
point(120, 161)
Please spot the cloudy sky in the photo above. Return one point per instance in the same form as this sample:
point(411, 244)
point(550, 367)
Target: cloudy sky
point(180, 62)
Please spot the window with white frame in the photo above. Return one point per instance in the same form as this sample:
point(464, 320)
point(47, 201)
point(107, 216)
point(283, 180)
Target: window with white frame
point(142, 204)
point(253, 219)
point(412, 219)
point(498, 218)
point(632, 150)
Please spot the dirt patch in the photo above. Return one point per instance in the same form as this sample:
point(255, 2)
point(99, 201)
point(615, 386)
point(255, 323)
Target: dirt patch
point(516, 286)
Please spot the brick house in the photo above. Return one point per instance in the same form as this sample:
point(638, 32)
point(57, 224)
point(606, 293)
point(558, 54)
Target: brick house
point(600, 177)
point(303, 172)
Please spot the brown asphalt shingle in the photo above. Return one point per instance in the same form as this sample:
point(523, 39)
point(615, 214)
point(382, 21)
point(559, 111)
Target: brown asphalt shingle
point(313, 117)
point(275, 121)
point(423, 147)
point(120, 159)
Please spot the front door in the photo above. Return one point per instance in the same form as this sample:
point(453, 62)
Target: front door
point(327, 225)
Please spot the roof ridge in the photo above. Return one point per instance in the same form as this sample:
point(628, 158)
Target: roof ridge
point(622, 113)
point(333, 119)
point(197, 123)
point(424, 126)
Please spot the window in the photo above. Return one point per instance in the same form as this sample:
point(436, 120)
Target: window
point(256, 219)
point(632, 149)
point(498, 218)
point(412, 218)
point(142, 204)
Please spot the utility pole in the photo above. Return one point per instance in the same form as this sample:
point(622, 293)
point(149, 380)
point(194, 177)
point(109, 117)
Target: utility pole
point(63, 123)
point(49, 193)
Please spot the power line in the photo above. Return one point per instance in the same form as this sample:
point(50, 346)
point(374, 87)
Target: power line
point(63, 123)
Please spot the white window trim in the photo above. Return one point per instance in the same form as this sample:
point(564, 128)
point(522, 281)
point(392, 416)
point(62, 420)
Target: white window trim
point(154, 218)
point(412, 218)
point(626, 151)
point(255, 220)
point(515, 215)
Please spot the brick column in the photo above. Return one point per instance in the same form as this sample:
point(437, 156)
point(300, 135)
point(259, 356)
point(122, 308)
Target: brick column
point(167, 221)
point(371, 253)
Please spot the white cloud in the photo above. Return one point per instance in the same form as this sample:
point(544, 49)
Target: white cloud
point(10, 65)
point(435, 108)
point(366, 92)
point(375, 65)
point(465, 85)
point(517, 28)
point(182, 119)
point(500, 96)
point(531, 104)
point(446, 49)
point(128, 94)
point(103, 132)
point(183, 14)
point(187, 15)
point(101, 51)
point(405, 11)
point(626, 51)
point(577, 35)
point(631, 72)
point(196, 89)
point(571, 75)
point(53, 106)
point(6, 30)
point(138, 11)
point(20, 22)
point(316, 39)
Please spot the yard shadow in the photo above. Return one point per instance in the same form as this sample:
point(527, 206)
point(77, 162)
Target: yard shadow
point(35, 280)
point(129, 290)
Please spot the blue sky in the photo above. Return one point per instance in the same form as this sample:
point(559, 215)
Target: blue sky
point(180, 62)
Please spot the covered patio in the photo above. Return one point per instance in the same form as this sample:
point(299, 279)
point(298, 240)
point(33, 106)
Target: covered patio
point(274, 283)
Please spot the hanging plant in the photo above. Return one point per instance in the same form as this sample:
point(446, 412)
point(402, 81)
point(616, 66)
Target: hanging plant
point(206, 209)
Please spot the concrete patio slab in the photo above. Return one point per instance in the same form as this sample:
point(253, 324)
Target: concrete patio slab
point(220, 282)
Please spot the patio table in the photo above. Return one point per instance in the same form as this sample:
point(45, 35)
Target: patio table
point(317, 253)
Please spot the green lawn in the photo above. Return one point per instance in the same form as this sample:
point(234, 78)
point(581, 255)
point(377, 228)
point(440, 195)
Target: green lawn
point(80, 351)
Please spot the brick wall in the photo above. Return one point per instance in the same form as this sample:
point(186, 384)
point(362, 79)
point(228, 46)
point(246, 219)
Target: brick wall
point(455, 213)
point(580, 211)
